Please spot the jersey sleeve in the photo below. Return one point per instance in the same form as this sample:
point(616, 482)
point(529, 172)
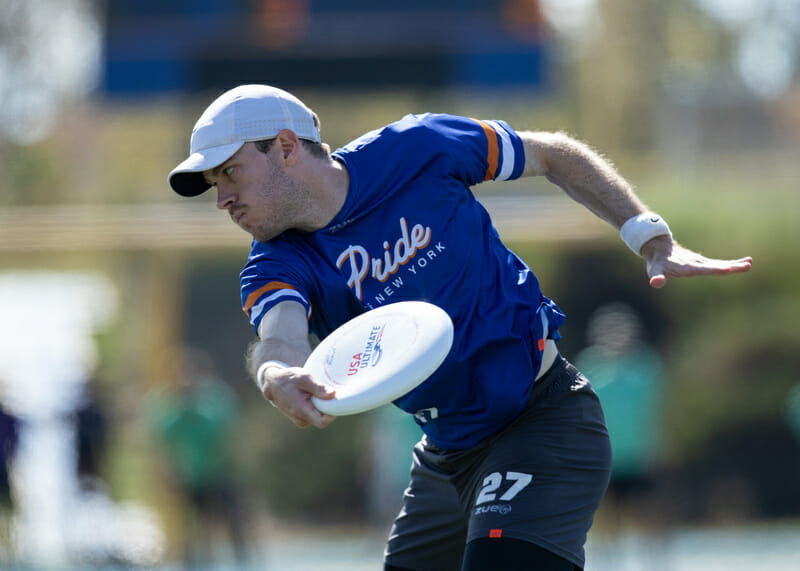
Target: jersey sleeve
point(470, 150)
point(266, 282)
point(476, 150)
point(504, 153)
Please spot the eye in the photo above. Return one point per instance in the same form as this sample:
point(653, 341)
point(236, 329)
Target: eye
point(228, 171)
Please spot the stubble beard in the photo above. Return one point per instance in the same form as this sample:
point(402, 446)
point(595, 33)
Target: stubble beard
point(288, 207)
point(267, 230)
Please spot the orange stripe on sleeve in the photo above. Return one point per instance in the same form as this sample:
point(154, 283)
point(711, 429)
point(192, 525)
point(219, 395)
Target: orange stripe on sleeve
point(494, 150)
point(271, 286)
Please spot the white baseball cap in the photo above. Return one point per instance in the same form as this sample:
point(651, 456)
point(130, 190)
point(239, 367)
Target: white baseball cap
point(245, 113)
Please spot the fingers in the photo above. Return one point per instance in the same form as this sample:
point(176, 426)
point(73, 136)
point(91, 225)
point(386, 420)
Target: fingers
point(740, 265)
point(702, 266)
point(709, 266)
point(679, 262)
point(311, 417)
point(307, 414)
point(291, 391)
point(323, 392)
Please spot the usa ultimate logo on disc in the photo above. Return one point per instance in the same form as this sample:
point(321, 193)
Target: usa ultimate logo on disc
point(361, 356)
point(380, 355)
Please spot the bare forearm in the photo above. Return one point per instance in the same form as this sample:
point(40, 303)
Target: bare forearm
point(283, 336)
point(292, 352)
point(582, 174)
point(592, 181)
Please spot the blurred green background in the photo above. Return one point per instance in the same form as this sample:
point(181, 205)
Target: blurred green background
point(696, 102)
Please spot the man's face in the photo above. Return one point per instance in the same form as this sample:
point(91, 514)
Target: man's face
point(257, 192)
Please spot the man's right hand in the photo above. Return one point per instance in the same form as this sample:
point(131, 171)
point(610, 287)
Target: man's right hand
point(291, 389)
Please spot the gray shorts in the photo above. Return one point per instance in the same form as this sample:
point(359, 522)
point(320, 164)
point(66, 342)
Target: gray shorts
point(540, 479)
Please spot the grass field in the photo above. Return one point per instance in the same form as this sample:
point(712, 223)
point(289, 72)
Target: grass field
point(773, 547)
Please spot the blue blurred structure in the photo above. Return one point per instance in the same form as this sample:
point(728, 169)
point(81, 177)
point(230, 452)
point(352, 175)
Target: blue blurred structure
point(175, 45)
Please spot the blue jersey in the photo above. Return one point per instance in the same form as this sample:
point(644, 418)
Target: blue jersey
point(411, 229)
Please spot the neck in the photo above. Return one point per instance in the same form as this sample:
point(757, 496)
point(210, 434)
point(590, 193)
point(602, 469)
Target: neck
point(330, 182)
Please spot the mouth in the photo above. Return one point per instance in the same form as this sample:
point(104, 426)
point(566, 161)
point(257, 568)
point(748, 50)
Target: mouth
point(237, 215)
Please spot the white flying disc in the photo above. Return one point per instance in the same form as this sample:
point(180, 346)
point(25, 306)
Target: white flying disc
point(380, 355)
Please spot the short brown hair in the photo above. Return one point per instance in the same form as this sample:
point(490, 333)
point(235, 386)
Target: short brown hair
point(318, 150)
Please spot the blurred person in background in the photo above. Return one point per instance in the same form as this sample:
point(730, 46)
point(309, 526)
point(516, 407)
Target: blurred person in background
point(195, 426)
point(627, 375)
point(91, 427)
point(793, 410)
point(515, 455)
point(9, 440)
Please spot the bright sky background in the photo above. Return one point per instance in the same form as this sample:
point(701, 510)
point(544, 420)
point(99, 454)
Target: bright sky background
point(50, 54)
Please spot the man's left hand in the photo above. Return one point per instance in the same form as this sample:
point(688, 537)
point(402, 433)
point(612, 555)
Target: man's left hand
point(668, 259)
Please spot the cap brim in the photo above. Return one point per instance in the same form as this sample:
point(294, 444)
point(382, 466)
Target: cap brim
point(187, 178)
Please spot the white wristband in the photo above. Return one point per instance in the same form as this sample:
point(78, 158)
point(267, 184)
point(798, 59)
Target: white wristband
point(637, 230)
point(260, 380)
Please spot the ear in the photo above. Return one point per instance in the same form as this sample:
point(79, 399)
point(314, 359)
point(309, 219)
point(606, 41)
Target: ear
point(289, 146)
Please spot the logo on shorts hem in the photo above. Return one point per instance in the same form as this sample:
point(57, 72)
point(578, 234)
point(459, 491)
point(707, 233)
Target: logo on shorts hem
point(501, 509)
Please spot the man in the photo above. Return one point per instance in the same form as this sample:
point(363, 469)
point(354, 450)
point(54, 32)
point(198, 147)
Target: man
point(515, 457)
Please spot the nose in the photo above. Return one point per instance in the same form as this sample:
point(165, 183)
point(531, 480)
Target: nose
point(225, 197)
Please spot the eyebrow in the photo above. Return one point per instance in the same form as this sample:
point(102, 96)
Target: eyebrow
point(214, 172)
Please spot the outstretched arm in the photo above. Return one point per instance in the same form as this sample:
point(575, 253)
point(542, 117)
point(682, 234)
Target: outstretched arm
point(592, 181)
